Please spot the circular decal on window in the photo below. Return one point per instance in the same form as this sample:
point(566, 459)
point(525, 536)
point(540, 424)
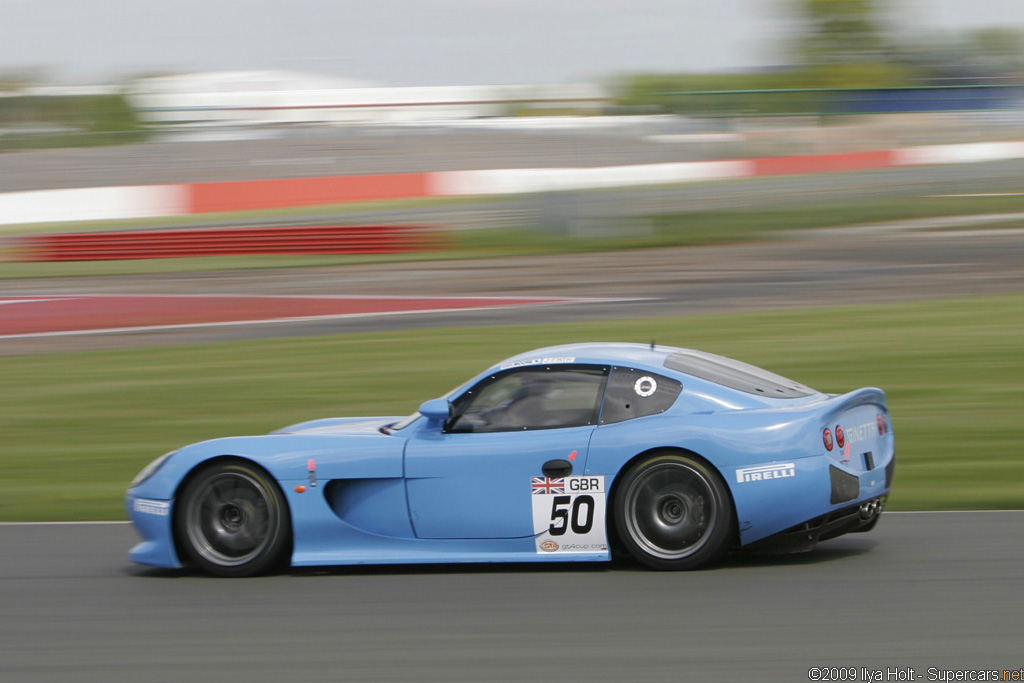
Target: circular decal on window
point(645, 386)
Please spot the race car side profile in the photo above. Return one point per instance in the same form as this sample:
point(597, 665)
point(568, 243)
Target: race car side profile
point(566, 453)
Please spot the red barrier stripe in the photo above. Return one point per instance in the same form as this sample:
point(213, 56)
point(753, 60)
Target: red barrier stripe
point(822, 163)
point(143, 244)
point(252, 195)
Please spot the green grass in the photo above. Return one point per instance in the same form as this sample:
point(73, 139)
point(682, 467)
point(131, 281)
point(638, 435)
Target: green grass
point(10, 270)
point(78, 426)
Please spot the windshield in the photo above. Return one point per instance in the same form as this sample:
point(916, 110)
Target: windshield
point(406, 421)
point(401, 424)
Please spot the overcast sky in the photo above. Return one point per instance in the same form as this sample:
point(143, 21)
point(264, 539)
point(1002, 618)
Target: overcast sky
point(423, 42)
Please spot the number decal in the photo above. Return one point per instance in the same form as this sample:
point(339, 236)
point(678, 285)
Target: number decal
point(588, 522)
point(569, 515)
point(562, 519)
point(559, 517)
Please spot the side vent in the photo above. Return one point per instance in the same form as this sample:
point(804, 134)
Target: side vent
point(890, 470)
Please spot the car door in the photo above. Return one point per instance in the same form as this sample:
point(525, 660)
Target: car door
point(473, 476)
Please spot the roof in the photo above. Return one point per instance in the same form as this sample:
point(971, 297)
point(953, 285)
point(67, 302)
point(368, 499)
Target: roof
point(720, 370)
point(598, 352)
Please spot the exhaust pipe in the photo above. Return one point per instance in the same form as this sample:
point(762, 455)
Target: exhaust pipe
point(869, 509)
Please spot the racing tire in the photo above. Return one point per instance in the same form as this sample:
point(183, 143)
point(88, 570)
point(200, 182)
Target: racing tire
point(673, 512)
point(231, 519)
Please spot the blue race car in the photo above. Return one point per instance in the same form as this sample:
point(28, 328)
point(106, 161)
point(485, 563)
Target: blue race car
point(671, 455)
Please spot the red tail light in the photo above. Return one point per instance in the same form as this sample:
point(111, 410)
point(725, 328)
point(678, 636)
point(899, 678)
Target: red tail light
point(840, 437)
point(827, 437)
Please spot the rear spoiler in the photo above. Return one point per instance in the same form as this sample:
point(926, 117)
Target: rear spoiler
point(860, 397)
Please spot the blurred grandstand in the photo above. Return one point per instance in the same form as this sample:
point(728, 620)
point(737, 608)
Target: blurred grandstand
point(240, 98)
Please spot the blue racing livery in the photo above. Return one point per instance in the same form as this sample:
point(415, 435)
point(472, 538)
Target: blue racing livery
point(567, 453)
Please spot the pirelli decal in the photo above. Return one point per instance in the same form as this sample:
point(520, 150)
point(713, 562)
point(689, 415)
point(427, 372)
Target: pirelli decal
point(765, 472)
point(161, 508)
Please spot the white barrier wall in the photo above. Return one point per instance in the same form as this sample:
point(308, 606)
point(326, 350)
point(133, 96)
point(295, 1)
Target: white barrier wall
point(126, 203)
point(526, 180)
point(958, 154)
point(93, 204)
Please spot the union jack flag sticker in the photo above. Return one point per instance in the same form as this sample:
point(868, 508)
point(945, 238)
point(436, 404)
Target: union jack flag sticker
point(544, 485)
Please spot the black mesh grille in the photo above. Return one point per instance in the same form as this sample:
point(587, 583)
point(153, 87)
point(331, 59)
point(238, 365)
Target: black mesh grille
point(844, 486)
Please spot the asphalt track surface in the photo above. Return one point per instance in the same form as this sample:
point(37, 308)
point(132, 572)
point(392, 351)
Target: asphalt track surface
point(922, 590)
point(333, 151)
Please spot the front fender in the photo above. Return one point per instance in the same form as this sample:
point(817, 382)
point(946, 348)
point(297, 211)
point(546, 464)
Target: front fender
point(286, 457)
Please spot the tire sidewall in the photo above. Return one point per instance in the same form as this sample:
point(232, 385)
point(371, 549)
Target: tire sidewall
point(722, 534)
point(273, 554)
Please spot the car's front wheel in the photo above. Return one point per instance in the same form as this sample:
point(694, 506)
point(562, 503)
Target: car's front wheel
point(672, 511)
point(231, 519)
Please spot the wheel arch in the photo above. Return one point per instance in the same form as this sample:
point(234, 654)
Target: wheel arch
point(613, 491)
point(197, 468)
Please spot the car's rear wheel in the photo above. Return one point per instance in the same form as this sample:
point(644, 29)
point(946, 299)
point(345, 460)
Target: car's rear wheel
point(232, 520)
point(672, 511)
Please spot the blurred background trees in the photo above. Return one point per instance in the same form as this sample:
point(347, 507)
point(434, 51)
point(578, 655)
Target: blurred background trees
point(838, 45)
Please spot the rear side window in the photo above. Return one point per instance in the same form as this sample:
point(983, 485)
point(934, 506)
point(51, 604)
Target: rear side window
point(735, 375)
point(636, 393)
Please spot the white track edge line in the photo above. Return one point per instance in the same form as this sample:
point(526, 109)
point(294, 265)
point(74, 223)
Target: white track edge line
point(340, 297)
point(308, 318)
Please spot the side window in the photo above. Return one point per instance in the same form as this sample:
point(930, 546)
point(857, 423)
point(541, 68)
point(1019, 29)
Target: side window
point(636, 393)
point(540, 397)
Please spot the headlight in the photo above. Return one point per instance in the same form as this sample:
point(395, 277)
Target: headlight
point(150, 469)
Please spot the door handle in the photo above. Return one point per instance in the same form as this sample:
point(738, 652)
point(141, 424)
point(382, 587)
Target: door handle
point(557, 468)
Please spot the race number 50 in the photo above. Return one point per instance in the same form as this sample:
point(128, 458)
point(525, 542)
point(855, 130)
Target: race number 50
point(569, 515)
point(571, 512)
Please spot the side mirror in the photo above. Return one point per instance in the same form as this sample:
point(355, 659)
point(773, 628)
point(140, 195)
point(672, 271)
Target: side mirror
point(436, 409)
